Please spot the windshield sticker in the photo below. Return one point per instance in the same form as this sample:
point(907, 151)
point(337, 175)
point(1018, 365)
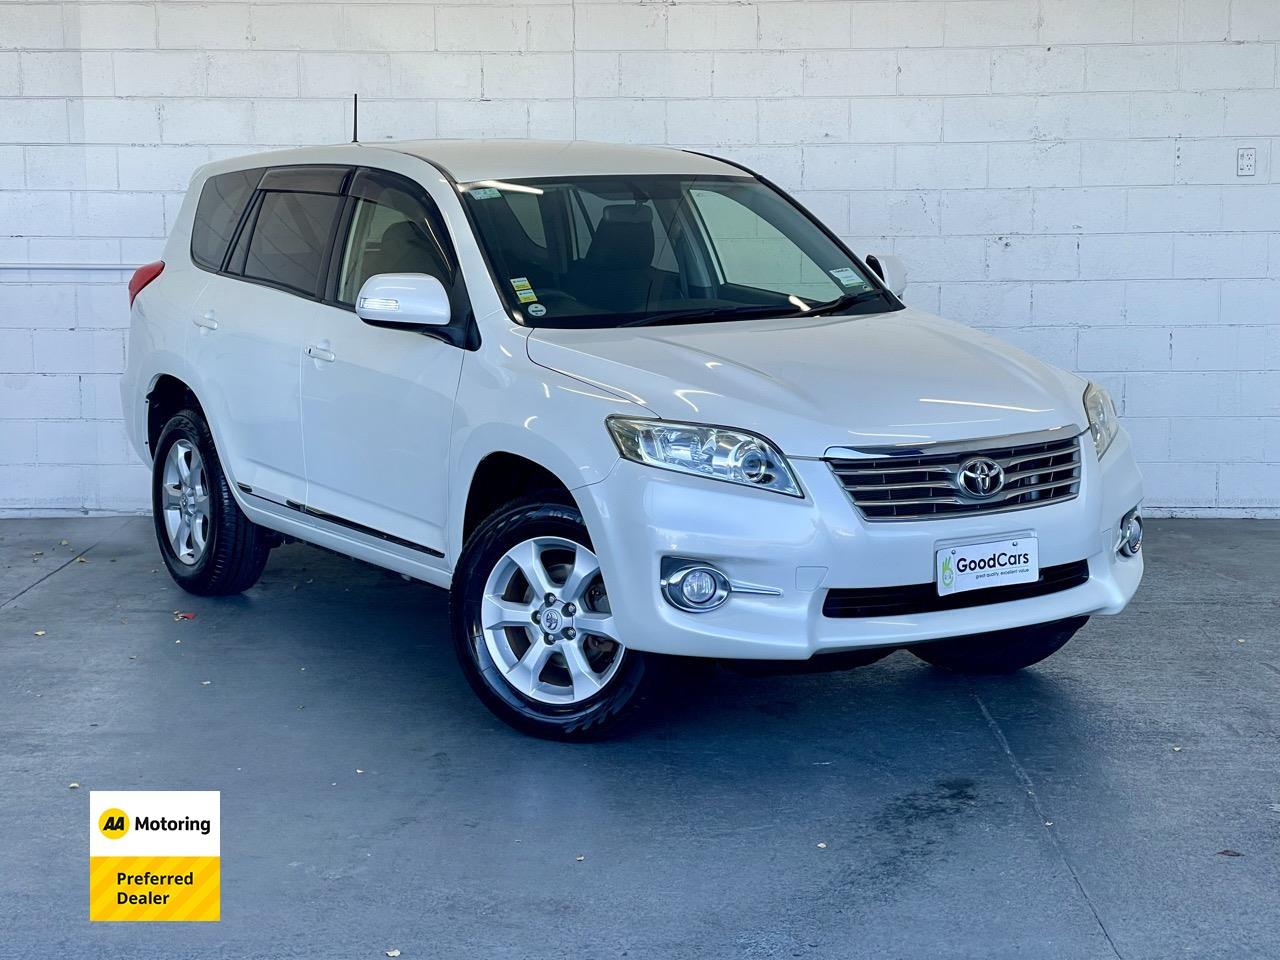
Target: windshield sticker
point(523, 289)
point(537, 310)
point(848, 277)
point(485, 193)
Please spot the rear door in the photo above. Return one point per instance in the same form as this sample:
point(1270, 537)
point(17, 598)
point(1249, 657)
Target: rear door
point(252, 320)
point(378, 402)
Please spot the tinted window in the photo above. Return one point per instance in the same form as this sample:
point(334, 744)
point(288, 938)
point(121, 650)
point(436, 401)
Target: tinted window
point(391, 234)
point(290, 239)
point(222, 201)
point(235, 262)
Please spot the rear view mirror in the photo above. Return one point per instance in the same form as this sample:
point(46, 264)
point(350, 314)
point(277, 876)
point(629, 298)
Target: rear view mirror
point(403, 300)
point(890, 269)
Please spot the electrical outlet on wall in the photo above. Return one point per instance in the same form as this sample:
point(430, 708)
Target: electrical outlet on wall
point(1246, 161)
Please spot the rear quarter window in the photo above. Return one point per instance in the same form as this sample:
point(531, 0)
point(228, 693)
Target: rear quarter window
point(222, 203)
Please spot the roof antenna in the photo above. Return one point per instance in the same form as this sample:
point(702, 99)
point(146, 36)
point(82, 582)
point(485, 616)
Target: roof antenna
point(355, 118)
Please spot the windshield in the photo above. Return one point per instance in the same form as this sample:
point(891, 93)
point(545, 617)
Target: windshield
point(628, 250)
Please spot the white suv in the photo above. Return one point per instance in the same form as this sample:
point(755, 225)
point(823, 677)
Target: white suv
point(624, 402)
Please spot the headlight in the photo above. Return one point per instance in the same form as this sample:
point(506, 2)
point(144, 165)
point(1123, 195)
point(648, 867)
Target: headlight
point(713, 452)
point(1103, 422)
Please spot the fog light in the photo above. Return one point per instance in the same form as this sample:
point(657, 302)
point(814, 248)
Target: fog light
point(1130, 534)
point(696, 588)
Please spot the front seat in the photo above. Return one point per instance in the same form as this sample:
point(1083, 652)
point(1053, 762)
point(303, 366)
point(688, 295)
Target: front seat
point(617, 271)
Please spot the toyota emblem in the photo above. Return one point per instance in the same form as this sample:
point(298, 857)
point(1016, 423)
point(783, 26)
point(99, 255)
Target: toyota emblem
point(980, 477)
point(551, 620)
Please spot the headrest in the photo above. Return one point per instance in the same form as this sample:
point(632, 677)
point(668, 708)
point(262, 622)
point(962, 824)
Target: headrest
point(619, 245)
point(628, 213)
point(405, 231)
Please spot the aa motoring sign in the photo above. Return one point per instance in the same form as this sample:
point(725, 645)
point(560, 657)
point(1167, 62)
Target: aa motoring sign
point(154, 855)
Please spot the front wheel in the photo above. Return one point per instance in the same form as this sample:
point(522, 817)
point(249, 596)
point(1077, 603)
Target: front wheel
point(1002, 651)
point(533, 628)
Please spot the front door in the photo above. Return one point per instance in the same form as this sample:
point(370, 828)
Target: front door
point(377, 402)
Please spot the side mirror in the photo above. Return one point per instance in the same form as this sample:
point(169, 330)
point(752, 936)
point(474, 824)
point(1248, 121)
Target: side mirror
point(403, 300)
point(891, 270)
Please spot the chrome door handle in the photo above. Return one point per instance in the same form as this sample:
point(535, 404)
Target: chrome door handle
point(206, 320)
point(320, 353)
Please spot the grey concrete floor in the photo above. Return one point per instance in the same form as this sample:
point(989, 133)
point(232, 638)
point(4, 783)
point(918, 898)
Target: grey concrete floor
point(1043, 815)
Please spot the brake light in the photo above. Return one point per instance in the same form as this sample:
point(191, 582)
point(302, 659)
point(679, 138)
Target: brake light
point(142, 276)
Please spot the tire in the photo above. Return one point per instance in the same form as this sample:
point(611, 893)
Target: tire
point(1002, 651)
point(223, 552)
point(578, 686)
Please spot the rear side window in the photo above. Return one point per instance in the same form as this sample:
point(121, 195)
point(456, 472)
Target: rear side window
point(291, 239)
point(222, 201)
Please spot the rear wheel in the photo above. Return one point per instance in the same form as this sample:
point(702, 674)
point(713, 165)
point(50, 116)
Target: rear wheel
point(209, 546)
point(1002, 651)
point(533, 627)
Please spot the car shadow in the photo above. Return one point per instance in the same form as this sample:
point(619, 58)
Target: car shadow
point(392, 636)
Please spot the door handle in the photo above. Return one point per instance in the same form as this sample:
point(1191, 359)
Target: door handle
point(206, 320)
point(320, 353)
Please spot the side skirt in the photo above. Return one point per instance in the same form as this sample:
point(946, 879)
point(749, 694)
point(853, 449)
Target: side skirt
point(345, 537)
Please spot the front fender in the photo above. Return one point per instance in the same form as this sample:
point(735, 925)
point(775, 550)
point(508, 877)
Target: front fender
point(546, 417)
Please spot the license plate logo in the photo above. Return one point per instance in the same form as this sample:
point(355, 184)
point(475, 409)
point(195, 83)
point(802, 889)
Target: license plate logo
point(996, 563)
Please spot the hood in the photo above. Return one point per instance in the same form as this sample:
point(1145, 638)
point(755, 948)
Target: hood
point(902, 378)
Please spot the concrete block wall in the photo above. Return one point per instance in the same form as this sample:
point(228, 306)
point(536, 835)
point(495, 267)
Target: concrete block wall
point(1062, 173)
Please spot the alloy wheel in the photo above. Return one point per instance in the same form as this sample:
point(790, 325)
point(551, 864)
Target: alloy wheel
point(185, 502)
point(547, 624)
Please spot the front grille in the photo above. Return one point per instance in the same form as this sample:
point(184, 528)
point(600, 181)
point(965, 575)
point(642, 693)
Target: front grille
point(920, 486)
point(923, 597)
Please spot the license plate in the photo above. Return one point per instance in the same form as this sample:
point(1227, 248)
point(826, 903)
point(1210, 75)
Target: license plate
point(996, 563)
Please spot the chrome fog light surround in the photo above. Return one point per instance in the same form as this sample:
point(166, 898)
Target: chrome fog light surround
point(694, 587)
point(1130, 542)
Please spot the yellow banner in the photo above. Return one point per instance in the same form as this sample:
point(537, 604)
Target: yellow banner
point(155, 888)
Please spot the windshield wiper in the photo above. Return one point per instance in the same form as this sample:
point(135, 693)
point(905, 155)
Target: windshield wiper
point(845, 302)
point(710, 314)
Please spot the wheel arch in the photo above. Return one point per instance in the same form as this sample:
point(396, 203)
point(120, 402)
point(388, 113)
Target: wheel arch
point(547, 425)
point(168, 394)
point(502, 476)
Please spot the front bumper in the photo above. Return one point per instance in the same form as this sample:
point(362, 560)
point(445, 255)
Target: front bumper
point(802, 548)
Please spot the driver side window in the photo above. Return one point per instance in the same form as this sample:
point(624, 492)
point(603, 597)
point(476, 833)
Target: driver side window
point(390, 235)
